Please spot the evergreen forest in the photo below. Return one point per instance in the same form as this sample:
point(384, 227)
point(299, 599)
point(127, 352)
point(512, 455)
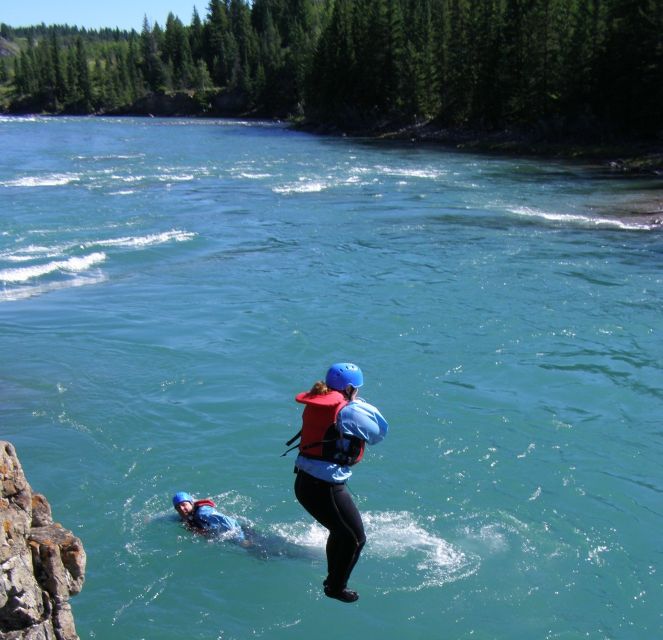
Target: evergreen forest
point(589, 67)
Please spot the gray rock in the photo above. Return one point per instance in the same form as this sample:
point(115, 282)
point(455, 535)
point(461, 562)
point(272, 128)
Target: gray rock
point(42, 564)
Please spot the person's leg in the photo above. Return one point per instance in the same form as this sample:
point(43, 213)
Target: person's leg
point(332, 506)
point(348, 537)
point(313, 495)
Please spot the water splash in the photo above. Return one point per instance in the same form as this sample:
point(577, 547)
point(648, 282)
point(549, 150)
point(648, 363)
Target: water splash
point(434, 562)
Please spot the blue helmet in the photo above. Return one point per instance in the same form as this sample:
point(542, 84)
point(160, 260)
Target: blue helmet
point(182, 496)
point(342, 374)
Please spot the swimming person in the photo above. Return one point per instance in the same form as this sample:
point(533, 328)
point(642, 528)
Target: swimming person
point(336, 425)
point(202, 516)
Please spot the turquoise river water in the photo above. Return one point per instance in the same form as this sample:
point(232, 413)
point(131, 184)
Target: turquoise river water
point(168, 286)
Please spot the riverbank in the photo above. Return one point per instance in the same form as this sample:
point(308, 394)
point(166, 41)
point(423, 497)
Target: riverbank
point(621, 155)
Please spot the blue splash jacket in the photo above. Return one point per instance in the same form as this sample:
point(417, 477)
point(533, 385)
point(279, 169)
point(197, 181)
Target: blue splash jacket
point(209, 521)
point(358, 418)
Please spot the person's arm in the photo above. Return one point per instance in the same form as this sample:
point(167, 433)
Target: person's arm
point(213, 521)
point(362, 420)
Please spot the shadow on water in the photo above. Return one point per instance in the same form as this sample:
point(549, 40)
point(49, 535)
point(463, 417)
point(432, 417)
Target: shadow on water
point(269, 546)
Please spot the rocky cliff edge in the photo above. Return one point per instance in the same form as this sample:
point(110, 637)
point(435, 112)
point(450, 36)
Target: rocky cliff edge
point(41, 564)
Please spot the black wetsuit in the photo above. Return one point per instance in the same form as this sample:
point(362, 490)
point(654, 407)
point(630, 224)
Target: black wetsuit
point(332, 506)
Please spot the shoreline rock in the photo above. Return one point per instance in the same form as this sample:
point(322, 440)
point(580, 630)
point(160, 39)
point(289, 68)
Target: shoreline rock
point(42, 564)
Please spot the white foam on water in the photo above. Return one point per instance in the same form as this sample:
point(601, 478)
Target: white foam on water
point(35, 252)
point(226, 122)
point(18, 119)
point(52, 260)
point(174, 235)
point(399, 534)
point(253, 176)
point(303, 534)
point(585, 220)
point(303, 186)
point(392, 536)
point(166, 177)
point(72, 265)
point(358, 176)
point(492, 537)
point(129, 179)
point(51, 180)
point(595, 555)
point(536, 495)
point(111, 157)
point(24, 292)
point(31, 252)
point(426, 173)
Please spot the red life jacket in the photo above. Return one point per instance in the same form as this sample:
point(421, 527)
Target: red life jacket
point(320, 437)
point(205, 502)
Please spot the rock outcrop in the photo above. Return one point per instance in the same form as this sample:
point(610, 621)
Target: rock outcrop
point(41, 564)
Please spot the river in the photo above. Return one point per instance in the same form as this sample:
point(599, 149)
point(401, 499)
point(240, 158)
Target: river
point(168, 286)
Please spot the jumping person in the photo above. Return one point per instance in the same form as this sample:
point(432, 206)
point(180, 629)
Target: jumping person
point(336, 425)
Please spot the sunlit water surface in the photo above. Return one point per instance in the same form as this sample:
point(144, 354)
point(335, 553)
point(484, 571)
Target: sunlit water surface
point(167, 286)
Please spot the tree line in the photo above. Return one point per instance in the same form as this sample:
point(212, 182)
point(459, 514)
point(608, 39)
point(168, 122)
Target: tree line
point(568, 65)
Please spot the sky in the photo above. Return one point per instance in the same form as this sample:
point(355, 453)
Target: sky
point(125, 14)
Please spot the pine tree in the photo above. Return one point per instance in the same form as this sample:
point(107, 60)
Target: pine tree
point(246, 52)
point(196, 36)
point(177, 52)
point(486, 105)
point(561, 65)
point(73, 90)
point(136, 79)
point(123, 79)
point(26, 80)
point(45, 74)
point(585, 48)
point(202, 81)
point(219, 43)
point(427, 87)
point(632, 69)
point(394, 72)
point(513, 73)
point(270, 81)
point(331, 81)
point(59, 84)
point(83, 77)
point(302, 31)
point(152, 66)
point(549, 28)
point(458, 74)
point(370, 34)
